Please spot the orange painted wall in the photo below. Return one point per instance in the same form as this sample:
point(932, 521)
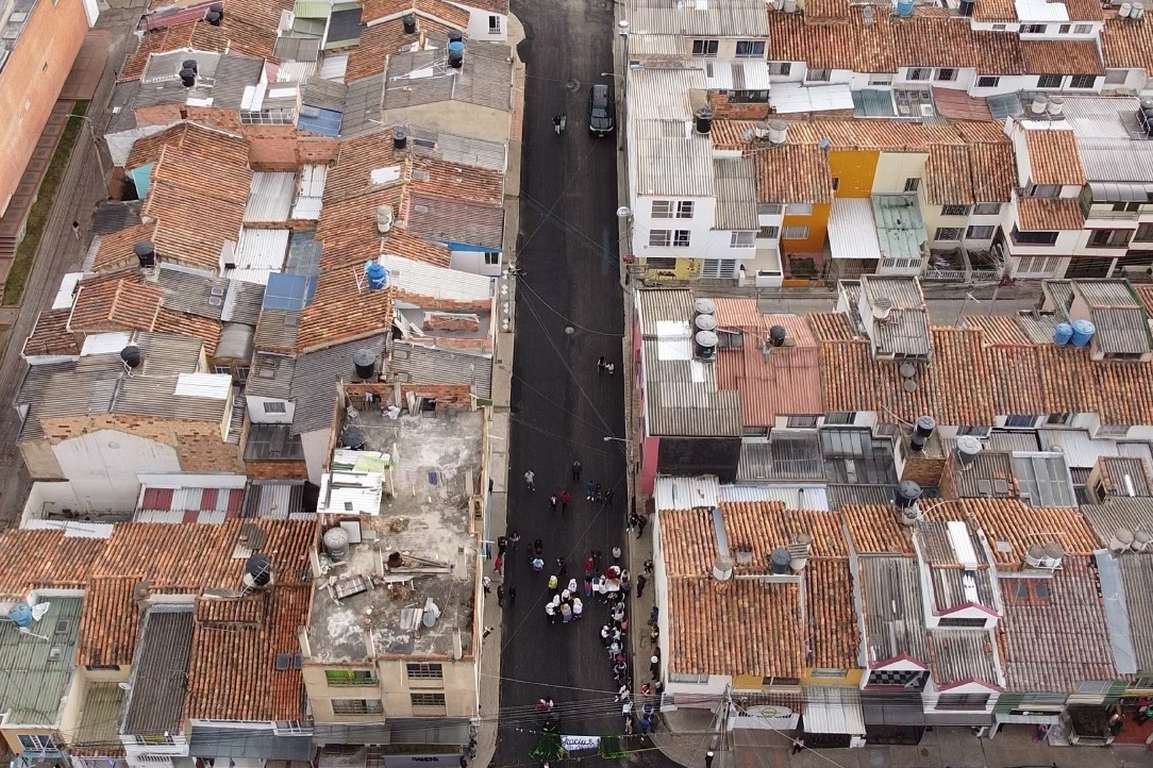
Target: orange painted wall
point(854, 171)
point(31, 80)
point(817, 222)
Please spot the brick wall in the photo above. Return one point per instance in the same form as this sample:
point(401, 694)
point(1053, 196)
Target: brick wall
point(31, 80)
point(198, 444)
point(923, 471)
point(276, 470)
point(448, 305)
point(724, 109)
point(446, 395)
point(444, 321)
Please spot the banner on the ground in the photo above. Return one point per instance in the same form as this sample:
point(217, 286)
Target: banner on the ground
point(574, 743)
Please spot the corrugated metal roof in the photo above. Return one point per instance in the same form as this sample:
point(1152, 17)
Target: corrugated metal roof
point(34, 673)
point(711, 18)
point(1043, 479)
point(258, 252)
point(427, 365)
point(736, 194)
point(363, 105)
point(1117, 622)
point(959, 656)
point(423, 279)
point(833, 710)
point(310, 193)
point(274, 499)
point(667, 157)
point(270, 197)
point(462, 150)
point(242, 302)
point(781, 458)
point(683, 399)
point(1078, 448)
point(314, 381)
point(891, 606)
point(852, 232)
point(686, 492)
point(456, 221)
point(424, 77)
point(792, 496)
point(1133, 513)
point(1137, 577)
point(156, 698)
point(192, 292)
point(1110, 144)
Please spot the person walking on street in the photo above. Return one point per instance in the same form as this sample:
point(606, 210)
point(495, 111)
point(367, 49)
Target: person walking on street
point(514, 539)
point(642, 521)
point(530, 480)
point(649, 567)
point(498, 564)
point(552, 503)
point(607, 498)
point(600, 363)
point(576, 471)
point(501, 544)
point(616, 555)
point(590, 490)
point(565, 497)
point(512, 594)
point(641, 581)
point(500, 595)
point(655, 667)
point(486, 582)
point(552, 582)
point(76, 232)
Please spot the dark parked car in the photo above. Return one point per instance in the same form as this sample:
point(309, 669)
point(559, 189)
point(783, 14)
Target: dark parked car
point(602, 119)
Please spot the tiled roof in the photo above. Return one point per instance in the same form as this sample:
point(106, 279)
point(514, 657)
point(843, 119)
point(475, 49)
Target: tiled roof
point(1145, 294)
point(874, 529)
point(380, 41)
point(1011, 527)
point(832, 638)
point(233, 671)
point(831, 326)
point(1053, 157)
point(47, 559)
point(1015, 377)
point(118, 301)
point(1055, 57)
point(343, 309)
point(1084, 10)
point(50, 335)
point(992, 171)
point(1128, 44)
point(1048, 213)
point(1001, 330)
point(1056, 643)
point(205, 179)
point(116, 249)
point(233, 36)
point(438, 9)
point(995, 10)
point(770, 643)
point(793, 174)
point(453, 181)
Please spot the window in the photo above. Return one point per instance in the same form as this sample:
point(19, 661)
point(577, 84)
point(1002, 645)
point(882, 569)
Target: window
point(494, 25)
point(836, 183)
point(841, 417)
point(964, 623)
point(356, 707)
point(685, 209)
point(769, 233)
point(222, 369)
point(988, 81)
point(1033, 29)
point(750, 49)
point(769, 682)
point(1064, 29)
point(948, 233)
point(423, 671)
point(1109, 238)
point(946, 74)
point(492, 258)
point(920, 73)
point(1082, 81)
point(818, 75)
point(681, 238)
point(1082, 29)
point(986, 209)
point(1034, 238)
point(660, 238)
point(350, 677)
point(799, 209)
point(954, 210)
point(730, 340)
point(828, 672)
point(1144, 233)
point(661, 263)
point(1116, 76)
point(1045, 190)
point(1020, 421)
point(38, 744)
point(769, 209)
point(969, 429)
point(880, 79)
point(1058, 418)
point(912, 184)
point(796, 232)
point(748, 97)
point(1050, 81)
point(719, 269)
point(1038, 265)
point(1113, 430)
point(980, 233)
point(705, 47)
point(662, 209)
point(427, 699)
point(780, 67)
point(683, 677)
point(999, 27)
point(275, 407)
point(743, 240)
point(962, 701)
point(154, 739)
point(1126, 207)
point(1026, 591)
point(802, 422)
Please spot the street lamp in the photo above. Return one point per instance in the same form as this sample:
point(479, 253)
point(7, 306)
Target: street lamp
point(611, 439)
point(613, 74)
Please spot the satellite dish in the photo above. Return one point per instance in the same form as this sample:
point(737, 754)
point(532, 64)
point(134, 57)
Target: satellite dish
point(624, 212)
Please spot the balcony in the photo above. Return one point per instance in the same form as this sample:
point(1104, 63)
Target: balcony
point(960, 265)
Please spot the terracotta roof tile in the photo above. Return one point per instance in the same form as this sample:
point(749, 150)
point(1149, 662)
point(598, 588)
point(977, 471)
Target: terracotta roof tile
point(234, 35)
point(1015, 377)
point(1121, 393)
point(47, 559)
point(738, 313)
point(204, 328)
point(1053, 157)
point(948, 176)
point(829, 613)
point(117, 301)
point(831, 326)
point(1056, 57)
point(774, 381)
point(993, 171)
point(1012, 526)
point(1001, 330)
point(116, 249)
point(50, 335)
point(1145, 293)
point(1128, 44)
point(380, 41)
point(436, 9)
point(874, 529)
point(1048, 213)
point(770, 643)
point(492, 6)
point(793, 174)
point(109, 626)
point(995, 10)
point(438, 178)
point(344, 309)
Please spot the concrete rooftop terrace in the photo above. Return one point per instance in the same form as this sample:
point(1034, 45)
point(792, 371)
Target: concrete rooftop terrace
point(420, 547)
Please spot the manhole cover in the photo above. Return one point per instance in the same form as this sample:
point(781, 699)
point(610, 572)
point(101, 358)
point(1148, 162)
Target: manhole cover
point(573, 85)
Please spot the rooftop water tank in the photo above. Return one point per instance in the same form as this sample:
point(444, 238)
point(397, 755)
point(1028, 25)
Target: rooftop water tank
point(145, 253)
point(905, 8)
point(364, 360)
point(377, 275)
point(409, 21)
point(706, 343)
point(21, 615)
point(399, 137)
point(703, 120)
point(908, 493)
point(1083, 331)
point(704, 307)
point(968, 447)
point(1062, 333)
point(215, 14)
point(779, 561)
point(132, 357)
point(455, 50)
point(336, 543)
point(777, 335)
point(257, 571)
point(705, 322)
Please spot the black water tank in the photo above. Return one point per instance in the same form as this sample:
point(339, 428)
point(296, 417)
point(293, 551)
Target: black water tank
point(191, 64)
point(187, 78)
point(907, 494)
point(922, 431)
point(704, 119)
point(364, 360)
point(779, 561)
point(399, 137)
point(777, 335)
point(215, 14)
point(145, 254)
point(409, 23)
point(455, 50)
point(257, 571)
point(132, 357)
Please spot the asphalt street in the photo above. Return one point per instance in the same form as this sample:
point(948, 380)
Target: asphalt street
point(568, 314)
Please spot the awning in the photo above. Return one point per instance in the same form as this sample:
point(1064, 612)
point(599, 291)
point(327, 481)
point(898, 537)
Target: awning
point(852, 231)
point(241, 743)
point(833, 710)
point(786, 98)
point(877, 713)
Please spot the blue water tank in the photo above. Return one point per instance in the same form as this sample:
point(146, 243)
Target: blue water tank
point(1083, 331)
point(905, 8)
point(21, 615)
point(377, 275)
point(1062, 333)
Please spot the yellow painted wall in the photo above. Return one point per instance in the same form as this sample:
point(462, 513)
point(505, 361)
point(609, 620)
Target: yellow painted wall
point(686, 269)
point(817, 222)
point(854, 170)
point(852, 679)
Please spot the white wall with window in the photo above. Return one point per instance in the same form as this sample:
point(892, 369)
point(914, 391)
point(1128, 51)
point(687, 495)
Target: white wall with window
point(269, 410)
point(681, 228)
point(484, 24)
point(477, 262)
point(1037, 267)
